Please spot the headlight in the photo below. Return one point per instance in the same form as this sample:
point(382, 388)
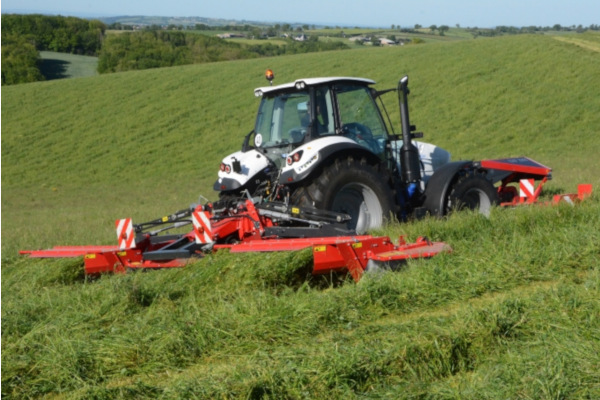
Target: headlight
point(294, 158)
point(225, 168)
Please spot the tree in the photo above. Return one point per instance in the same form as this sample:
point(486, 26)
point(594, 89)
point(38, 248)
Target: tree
point(257, 33)
point(57, 33)
point(272, 31)
point(20, 60)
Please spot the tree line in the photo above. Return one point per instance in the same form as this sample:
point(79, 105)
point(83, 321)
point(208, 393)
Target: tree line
point(24, 36)
point(57, 33)
point(156, 48)
point(159, 48)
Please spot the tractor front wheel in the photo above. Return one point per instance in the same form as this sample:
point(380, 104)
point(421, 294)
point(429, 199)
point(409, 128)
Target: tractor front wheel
point(351, 187)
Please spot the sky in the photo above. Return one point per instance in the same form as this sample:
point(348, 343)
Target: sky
point(349, 13)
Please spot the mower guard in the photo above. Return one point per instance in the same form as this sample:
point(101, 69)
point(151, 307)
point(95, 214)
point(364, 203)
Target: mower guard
point(256, 233)
point(525, 172)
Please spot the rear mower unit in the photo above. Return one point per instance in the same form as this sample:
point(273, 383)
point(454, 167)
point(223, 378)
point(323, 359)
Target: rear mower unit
point(246, 228)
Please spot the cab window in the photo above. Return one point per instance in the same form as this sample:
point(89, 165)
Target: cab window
point(360, 118)
point(282, 119)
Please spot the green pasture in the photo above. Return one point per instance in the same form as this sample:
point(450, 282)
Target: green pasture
point(62, 65)
point(149, 142)
point(425, 35)
point(252, 42)
point(511, 313)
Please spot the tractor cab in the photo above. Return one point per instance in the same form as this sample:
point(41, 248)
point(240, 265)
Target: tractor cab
point(296, 113)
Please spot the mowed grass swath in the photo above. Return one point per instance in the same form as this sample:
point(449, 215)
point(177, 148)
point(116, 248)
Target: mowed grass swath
point(512, 312)
point(503, 316)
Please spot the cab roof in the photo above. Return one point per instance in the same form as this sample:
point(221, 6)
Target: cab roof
point(310, 82)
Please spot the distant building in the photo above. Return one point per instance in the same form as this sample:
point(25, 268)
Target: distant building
point(359, 39)
point(230, 35)
point(386, 42)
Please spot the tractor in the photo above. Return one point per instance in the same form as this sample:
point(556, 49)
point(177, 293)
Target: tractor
point(321, 168)
point(327, 143)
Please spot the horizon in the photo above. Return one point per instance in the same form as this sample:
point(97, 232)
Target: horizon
point(332, 24)
point(347, 13)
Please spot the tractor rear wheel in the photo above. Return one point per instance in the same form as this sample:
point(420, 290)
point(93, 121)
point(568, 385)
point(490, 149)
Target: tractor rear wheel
point(473, 191)
point(352, 187)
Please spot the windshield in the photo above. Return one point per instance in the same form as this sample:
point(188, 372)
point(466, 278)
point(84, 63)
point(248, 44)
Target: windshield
point(360, 118)
point(282, 119)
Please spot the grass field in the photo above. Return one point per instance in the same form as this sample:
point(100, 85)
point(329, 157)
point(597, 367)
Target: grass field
point(511, 313)
point(61, 65)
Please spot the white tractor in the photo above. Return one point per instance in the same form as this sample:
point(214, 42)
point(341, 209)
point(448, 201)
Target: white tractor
point(324, 143)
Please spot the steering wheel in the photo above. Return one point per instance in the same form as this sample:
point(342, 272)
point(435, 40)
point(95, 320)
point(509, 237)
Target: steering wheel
point(297, 134)
point(362, 135)
point(356, 131)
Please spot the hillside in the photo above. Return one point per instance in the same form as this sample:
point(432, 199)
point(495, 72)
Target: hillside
point(143, 143)
point(511, 313)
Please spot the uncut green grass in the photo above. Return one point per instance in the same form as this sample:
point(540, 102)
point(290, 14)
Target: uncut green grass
point(511, 313)
point(78, 154)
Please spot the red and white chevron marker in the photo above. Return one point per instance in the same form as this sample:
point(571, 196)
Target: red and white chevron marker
point(202, 227)
point(527, 190)
point(125, 233)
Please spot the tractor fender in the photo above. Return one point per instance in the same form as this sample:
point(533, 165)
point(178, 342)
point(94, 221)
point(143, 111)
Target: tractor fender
point(239, 168)
point(439, 184)
point(306, 159)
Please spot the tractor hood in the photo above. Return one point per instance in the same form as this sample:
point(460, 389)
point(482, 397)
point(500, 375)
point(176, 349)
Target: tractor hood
point(238, 168)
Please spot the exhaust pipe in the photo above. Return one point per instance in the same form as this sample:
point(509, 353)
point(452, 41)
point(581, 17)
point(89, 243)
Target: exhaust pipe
point(409, 154)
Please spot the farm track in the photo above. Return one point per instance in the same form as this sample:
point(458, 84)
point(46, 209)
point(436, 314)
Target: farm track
point(584, 44)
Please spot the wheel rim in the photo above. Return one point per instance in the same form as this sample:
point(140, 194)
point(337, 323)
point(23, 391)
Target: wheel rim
point(477, 199)
point(362, 204)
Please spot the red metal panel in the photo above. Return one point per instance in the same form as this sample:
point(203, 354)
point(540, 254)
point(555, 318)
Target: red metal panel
point(352, 260)
point(584, 190)
point(288, 244)
point(99, 263)
point(422, 249)
point(354, 256)
point(67, 251)
point(520, 164)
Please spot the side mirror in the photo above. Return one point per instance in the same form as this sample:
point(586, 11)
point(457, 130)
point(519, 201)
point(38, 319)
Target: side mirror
point(246, 145)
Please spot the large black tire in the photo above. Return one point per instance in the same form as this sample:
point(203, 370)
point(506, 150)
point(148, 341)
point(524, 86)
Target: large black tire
point(472, 191)
point(352, 187)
